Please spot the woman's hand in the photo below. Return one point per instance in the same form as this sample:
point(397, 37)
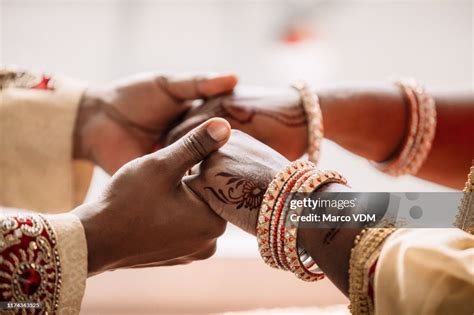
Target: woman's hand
point(272, 116)
point(125, 120)
point(147, 216)
point(234, 179)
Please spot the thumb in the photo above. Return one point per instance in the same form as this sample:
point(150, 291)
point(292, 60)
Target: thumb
point(197, 144)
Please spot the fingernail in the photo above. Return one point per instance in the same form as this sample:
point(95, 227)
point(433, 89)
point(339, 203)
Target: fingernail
point(218, 131)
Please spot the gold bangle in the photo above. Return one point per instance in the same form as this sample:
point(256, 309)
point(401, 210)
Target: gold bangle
point(314, 117)
point(465, 217)
point(364, 253)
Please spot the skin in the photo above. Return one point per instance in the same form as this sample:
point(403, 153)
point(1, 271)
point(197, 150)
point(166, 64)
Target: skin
point(245, 156)
point(117, 128)
point(124, 120)
point(248, 160)
point(135, 222)
point(368, 121)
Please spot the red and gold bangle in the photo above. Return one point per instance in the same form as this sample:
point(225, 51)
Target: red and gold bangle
point(419, 135)
point(393, 166)
point(282, 221)
point(267, 207)
point(300, 168)
point(298, 261)
point(314, 117)
point(276, 233)
point(426, 133)
point(277, 215)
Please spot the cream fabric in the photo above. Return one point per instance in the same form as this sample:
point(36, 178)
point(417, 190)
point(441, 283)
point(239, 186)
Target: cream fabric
point(37, 171)
point(426, 271)
point(36, 130)
point(72, 248)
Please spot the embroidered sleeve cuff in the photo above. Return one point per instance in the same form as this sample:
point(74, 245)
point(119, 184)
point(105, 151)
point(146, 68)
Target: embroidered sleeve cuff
point(43, 261)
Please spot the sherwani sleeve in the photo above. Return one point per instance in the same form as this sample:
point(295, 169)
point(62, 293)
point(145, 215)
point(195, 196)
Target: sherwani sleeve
point(425, 271)
point(37, 117)
point(43, 261)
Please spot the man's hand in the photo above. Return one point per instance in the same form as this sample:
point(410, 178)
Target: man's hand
point(147, 216)
point(128, 119)
point(272, 116)
point(234, 179)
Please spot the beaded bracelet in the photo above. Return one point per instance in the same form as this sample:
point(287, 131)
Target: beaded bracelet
point(314, 117)
point(419, 134)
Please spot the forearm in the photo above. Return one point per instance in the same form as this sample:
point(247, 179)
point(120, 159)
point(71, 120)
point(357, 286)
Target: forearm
point(331, 247)
point(371, 122)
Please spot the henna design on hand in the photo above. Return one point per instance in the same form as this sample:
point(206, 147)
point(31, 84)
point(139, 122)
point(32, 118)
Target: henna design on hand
point(243, 192)
point(290, 117)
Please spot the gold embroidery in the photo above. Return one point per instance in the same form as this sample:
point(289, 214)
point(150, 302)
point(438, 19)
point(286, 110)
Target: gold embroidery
point(366, 250)
point(30, 267)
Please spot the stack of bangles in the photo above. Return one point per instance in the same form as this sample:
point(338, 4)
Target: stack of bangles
point(276, 233)
point(419, 135)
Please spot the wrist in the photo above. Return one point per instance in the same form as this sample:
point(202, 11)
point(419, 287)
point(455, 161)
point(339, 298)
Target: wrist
point(98, 244)
point(84, 126)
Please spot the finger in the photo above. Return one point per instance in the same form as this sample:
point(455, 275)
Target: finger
point(184, 127)
point(194, 117)
point(196, 145)
point(198, 86)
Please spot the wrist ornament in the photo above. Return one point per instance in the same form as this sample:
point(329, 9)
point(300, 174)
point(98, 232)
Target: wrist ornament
point(465, 216)
point(419, 135)
point(314, 117)
point(276, 233)
point(364, 255)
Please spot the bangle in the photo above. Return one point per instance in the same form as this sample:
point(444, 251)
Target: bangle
point(281, 229)
point(276, 233)
point(314, 117)
point(299, 262)
point(277, 215)
point(364, 253)
point(465, 216)
point(267, 207)
point(419, 134)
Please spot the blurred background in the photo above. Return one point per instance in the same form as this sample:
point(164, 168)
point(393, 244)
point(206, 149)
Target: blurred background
point(267, 42)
